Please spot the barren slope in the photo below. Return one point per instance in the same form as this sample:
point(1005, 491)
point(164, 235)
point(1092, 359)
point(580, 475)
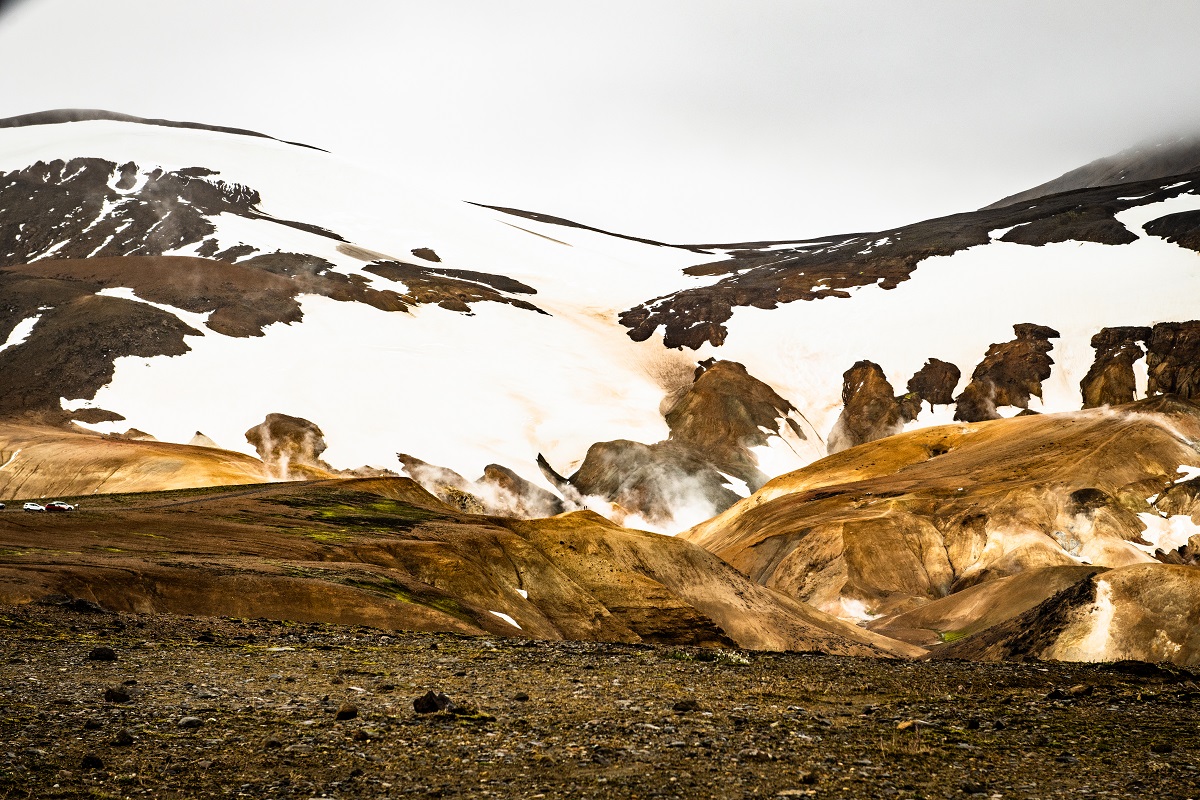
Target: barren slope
point(383, 552)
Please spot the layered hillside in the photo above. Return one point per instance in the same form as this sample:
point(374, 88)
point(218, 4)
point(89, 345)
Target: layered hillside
point(383, 552)
point(948, 531)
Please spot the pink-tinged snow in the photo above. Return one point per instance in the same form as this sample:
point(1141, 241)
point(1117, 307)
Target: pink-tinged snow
point(954, 307)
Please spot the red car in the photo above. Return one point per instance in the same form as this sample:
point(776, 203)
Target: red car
point(58, 505)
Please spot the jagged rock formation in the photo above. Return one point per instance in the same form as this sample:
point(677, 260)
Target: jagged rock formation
point(935, 382)
point(1111, 380)
point(499, 491)
point(715, 425)
point(290, 447)
point(870, 409)
point(726, 412)
point(1008, 375)
point(1173, 359)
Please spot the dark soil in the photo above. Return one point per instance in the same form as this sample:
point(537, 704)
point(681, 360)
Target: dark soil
point(204, 707)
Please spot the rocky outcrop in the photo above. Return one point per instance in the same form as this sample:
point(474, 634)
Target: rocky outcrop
point(1009, 374)
point(657, 482)
point(1173, 359)
point(290, 447)
point(1111, 380)
point(870, 409)
point(1183, 229)
point(1077, 225)
point(935, 382)
point(725, 412)
point(499, 491)
point(715, 425)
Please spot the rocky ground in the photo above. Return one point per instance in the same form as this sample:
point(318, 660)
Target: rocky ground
point(96, 704)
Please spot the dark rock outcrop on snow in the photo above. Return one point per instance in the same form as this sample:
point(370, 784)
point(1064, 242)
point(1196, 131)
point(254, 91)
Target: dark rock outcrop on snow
point(1111, 381)
point(290, 447)
point(1173, 359)
point(1077, 225)
point(768, 274)
point(71, 350)
point(1183, 229)
point(1009, 374)
point(935, 382)
point(870, 409)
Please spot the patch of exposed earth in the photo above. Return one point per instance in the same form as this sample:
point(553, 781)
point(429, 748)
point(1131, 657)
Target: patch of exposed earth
point(203, 707)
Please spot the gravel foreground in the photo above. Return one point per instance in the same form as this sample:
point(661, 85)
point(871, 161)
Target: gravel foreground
point(122, 705)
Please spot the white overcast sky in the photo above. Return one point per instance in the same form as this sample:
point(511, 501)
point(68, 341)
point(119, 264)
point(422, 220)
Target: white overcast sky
point(681, 120)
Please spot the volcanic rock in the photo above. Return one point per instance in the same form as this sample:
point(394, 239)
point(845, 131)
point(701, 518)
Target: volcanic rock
point(1183, 229)
point(935, 382)
point(290, 447)
point(726, 412)
point(1111, 380)
point(870, 409)
point(1173, 359)
point(1008, 375)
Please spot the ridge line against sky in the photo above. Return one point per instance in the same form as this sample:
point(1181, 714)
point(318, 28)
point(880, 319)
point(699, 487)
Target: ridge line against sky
point(677, 120)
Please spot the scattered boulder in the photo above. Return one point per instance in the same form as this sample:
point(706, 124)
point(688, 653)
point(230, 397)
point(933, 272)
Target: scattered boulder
point(189, 723)
point(124, 738)
point(102, 654)
point(432, 702)
point(91, 761)
point(346, 711)
point(290, 447)
point(115, 694)
point(1009, 374)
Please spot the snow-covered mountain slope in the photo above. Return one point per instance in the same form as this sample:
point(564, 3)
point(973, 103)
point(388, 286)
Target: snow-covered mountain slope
point(183, 279)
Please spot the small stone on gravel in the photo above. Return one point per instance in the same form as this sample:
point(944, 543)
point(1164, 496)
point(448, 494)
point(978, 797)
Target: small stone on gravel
point(346, 711)
point(431, 702)
point(124, 738)
point(102, 654)
point(91, 761)
point(189, 722)
point(115, 694)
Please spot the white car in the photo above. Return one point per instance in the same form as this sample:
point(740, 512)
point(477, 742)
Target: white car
point(34, 507)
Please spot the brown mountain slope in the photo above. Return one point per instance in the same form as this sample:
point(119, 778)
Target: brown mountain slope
point(890, 525)
point(41, 462)
point(1147, 612)
point(384, 552)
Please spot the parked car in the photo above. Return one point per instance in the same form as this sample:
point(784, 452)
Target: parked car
point(59, 505)
point(1, 506)
point(34, 507)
